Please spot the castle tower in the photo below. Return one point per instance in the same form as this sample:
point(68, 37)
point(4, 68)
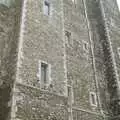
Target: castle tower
point(40, 90)
point(59, 60)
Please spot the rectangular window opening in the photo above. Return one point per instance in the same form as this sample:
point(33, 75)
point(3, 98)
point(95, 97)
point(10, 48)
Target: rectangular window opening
point(118, 50)
point(85, 46)
point(93, 99)
point(68, 38)
point(46, 7)
point(70, 94)
point(44, 69)
point(44, 74)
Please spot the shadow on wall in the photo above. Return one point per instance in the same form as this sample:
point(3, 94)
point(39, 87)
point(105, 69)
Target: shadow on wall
point(5, 91)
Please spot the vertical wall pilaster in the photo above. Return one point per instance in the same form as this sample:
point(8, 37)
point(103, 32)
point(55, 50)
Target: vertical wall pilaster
point(20, 57)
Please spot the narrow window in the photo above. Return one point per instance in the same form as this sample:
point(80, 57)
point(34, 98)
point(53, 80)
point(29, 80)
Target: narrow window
point(68, 38)
point(44, 70)
point(46, 7)
point(118, 50)
point(70, 94)
point(85, 46)
point(44, 74)
point(93, 100)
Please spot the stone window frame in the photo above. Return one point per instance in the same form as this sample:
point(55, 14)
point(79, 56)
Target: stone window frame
point(43, 84)
point(95, 99)
point(46, 3)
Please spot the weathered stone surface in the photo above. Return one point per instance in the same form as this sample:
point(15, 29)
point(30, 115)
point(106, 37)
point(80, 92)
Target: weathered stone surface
point(42, 40)
point(81, 62)
point(9, 24)
point(81, 115)
point(34, 104)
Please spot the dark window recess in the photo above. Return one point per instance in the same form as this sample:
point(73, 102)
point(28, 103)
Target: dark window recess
point(69, 91)
point(68, 38)
point(118, 50)
point(44, 69)
point(85, 46)
point(93, 99)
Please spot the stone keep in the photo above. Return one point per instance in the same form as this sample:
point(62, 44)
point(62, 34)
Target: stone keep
point(78, 41)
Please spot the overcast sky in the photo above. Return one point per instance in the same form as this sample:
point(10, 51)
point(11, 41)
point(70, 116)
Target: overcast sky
point(118, 3)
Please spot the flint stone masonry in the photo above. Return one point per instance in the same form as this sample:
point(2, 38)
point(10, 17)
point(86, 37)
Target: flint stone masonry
point(79, 61)
point(83, 62)
point(40, 45)
point(9, 24)
point(37, 104)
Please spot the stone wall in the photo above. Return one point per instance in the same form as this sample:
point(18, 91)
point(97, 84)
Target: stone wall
point(112, 15)
point(36, 104)
point(111, 18)
point(97, 25)
point(62, 39)
point(80, 70)
point(9, 29)
point(83, 115)
point(42, 40)
point(103, 27)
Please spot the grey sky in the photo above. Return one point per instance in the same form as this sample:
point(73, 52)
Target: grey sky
point(118, 3)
